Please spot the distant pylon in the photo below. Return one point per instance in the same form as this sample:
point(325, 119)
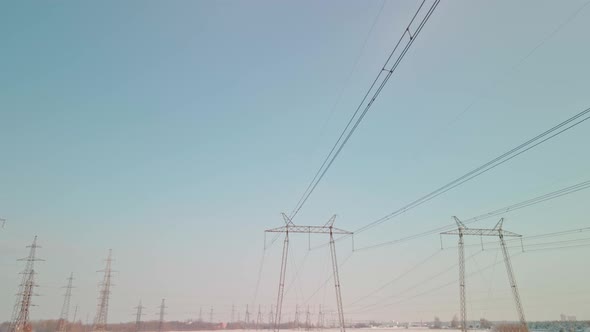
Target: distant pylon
point(211, 316)
point(65, 309)
point(20, 314)
point(201, 314)
point(75, 313)
point(320, 318)
point(162, 309)
point(258, 318)
point(307, 319)
point(271, 317)
point(296, 316)
point(247, 316)
point(138, 316)
point(233, 313)
point(102, 310)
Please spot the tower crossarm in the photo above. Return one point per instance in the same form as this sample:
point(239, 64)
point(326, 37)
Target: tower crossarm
point(481, 232)
point(308, 230)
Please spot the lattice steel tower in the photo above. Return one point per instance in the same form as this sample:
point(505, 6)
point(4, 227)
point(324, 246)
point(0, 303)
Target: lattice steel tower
point(258, 318)
point(320, 318)
point(138, 316)
point(247, 316)
point(162, 311)
point(327, 228)
point(271, 316)
point(20, 313)
point(65, 308)
point(462, 231)
point(102, 310)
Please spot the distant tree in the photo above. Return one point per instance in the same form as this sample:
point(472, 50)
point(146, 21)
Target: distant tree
point(509, 327)
point(455, 322)
point(485, 324)
point(437, 324)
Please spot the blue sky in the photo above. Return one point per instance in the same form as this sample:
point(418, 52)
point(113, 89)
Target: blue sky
point(176, 132)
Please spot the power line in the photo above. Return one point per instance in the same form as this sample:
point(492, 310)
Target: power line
point(501, 159)
point(513, 207)
point(397, 278)
point(375, 89)
point(432, 277)
point(553, 245)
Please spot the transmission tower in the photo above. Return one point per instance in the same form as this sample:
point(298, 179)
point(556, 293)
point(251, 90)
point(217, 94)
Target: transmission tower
point(296, 320)
point(161, 321)
point(65, 309)
point(320, 318)
point(75, 314)
point(481, 232)
point(327, 228)
point(138, 316)
point(233, 313)
point(201, 314)
point(258, 318)
point(271, 317)
point(247, 316)
point(307, 319)
point(211, 316)
point(20, 313)
point(102, 310)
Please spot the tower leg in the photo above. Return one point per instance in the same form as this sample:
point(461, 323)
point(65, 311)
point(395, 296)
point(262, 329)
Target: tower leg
point(512, 280)
point(462, 282)
point(337, 282)
point(282, 282)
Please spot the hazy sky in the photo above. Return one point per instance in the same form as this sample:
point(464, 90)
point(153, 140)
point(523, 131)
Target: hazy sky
point(176, 132)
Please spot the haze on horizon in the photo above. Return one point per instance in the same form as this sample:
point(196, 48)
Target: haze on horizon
point(175, 133)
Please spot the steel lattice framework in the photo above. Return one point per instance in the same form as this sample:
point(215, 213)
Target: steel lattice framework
point(138, 316)
point(162, 312)
point(327, 228)
point(20, 314)
point(102, 310)
point(65, 309)
point(462, 231)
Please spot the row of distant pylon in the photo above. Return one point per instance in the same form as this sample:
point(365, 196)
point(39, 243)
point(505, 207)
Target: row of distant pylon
point(258, 323)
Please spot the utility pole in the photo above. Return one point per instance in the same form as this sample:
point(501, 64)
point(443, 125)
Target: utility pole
point(462, 231)
point(327, 228)
point(138, 316)
point(100, 320)
point(65, 309)
point(20, 314)
point(162, 309)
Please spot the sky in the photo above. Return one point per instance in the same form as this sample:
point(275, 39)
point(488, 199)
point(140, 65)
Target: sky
point(175, 133)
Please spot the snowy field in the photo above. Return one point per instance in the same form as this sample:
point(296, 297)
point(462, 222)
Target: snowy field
point(384, 329)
